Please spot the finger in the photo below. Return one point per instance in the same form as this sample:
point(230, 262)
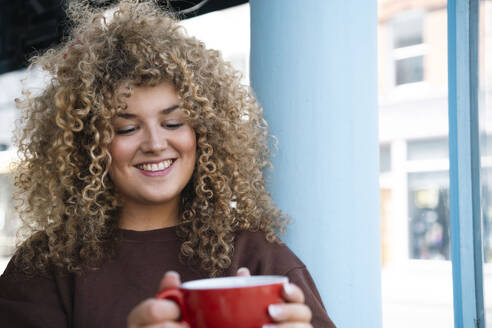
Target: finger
point(293, 312)
point(152, 311)
point(292, 294)
point(170, 280)
point(243, 272)
point(289, 325)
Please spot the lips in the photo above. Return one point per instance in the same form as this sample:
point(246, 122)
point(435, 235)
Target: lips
point(155, 166)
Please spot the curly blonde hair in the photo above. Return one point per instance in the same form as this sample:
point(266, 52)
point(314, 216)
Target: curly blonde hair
point(67, 200)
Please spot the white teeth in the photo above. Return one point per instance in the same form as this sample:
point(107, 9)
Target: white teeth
point(156, 166)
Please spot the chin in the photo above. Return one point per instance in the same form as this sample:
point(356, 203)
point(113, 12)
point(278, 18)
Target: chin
point(158, 199)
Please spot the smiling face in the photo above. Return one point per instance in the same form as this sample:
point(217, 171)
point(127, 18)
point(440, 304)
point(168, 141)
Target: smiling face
point(154, 148)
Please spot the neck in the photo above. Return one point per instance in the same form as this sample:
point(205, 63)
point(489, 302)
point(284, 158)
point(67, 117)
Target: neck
point(142, 217)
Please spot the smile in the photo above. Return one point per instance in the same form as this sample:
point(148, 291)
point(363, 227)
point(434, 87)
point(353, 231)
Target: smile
point(154, 167)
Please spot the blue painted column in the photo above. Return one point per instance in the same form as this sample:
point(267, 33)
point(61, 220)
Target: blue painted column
point(314, 70)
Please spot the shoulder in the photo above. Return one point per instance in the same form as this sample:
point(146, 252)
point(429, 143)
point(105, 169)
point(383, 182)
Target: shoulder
point(24, 269)
point(16, 273)
point(30, 257)
point(26, 300)
point(261, 256)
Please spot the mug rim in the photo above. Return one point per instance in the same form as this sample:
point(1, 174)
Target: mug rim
point(254, 281)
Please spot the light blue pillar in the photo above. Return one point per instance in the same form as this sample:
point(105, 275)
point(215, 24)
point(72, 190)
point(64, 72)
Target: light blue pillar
point(314, 70)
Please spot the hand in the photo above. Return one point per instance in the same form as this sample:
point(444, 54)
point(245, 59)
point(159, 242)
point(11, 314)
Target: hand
point(153, 313)
point(292, 314)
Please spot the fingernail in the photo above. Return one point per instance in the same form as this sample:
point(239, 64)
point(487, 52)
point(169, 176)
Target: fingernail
point(275, 311)
point(173, 273)
point(288, 289)
point(243, 270)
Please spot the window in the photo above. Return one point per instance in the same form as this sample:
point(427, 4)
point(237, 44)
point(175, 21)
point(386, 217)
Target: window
point(408, 47)
point(428, 211)
point(408, 29)
point(384, 158)
point(409, 70)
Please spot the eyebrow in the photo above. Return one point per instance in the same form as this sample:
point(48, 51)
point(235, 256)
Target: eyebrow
point(165, 111)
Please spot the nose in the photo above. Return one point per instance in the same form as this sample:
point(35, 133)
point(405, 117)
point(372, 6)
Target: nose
point(154, 141)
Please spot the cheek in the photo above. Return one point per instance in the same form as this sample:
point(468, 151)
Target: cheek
point(112, 151)
point(188, 145)
point(119, 153)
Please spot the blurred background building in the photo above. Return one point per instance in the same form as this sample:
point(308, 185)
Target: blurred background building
point(413, 129)
point(414, 163)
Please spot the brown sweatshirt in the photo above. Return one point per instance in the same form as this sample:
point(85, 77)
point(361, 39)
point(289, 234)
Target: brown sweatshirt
point(104, 297)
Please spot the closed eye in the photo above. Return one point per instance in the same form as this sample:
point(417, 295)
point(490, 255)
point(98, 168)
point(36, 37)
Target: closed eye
point(173, 126)
point(125, 131)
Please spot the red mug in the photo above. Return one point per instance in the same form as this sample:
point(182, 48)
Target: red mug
point(240, 302)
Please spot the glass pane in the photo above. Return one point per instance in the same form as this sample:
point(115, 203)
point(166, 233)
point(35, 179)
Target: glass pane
point(384, 158)
point(417, 277)
point(428, 203)
point(485, 122)
point(409, 70)
point(407, 29)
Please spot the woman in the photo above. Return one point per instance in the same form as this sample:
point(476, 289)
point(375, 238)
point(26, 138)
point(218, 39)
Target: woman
point(143, 155)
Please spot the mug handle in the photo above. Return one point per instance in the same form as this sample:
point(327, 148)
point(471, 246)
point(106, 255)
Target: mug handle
point(175, 295)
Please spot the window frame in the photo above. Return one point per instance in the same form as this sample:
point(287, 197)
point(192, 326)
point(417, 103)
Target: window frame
point(464, 158)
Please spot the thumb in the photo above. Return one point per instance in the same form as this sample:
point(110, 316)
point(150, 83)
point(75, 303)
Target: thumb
point(243, 272)
point(171, 279)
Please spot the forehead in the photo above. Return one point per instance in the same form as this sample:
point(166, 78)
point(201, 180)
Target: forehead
point(158, 97)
